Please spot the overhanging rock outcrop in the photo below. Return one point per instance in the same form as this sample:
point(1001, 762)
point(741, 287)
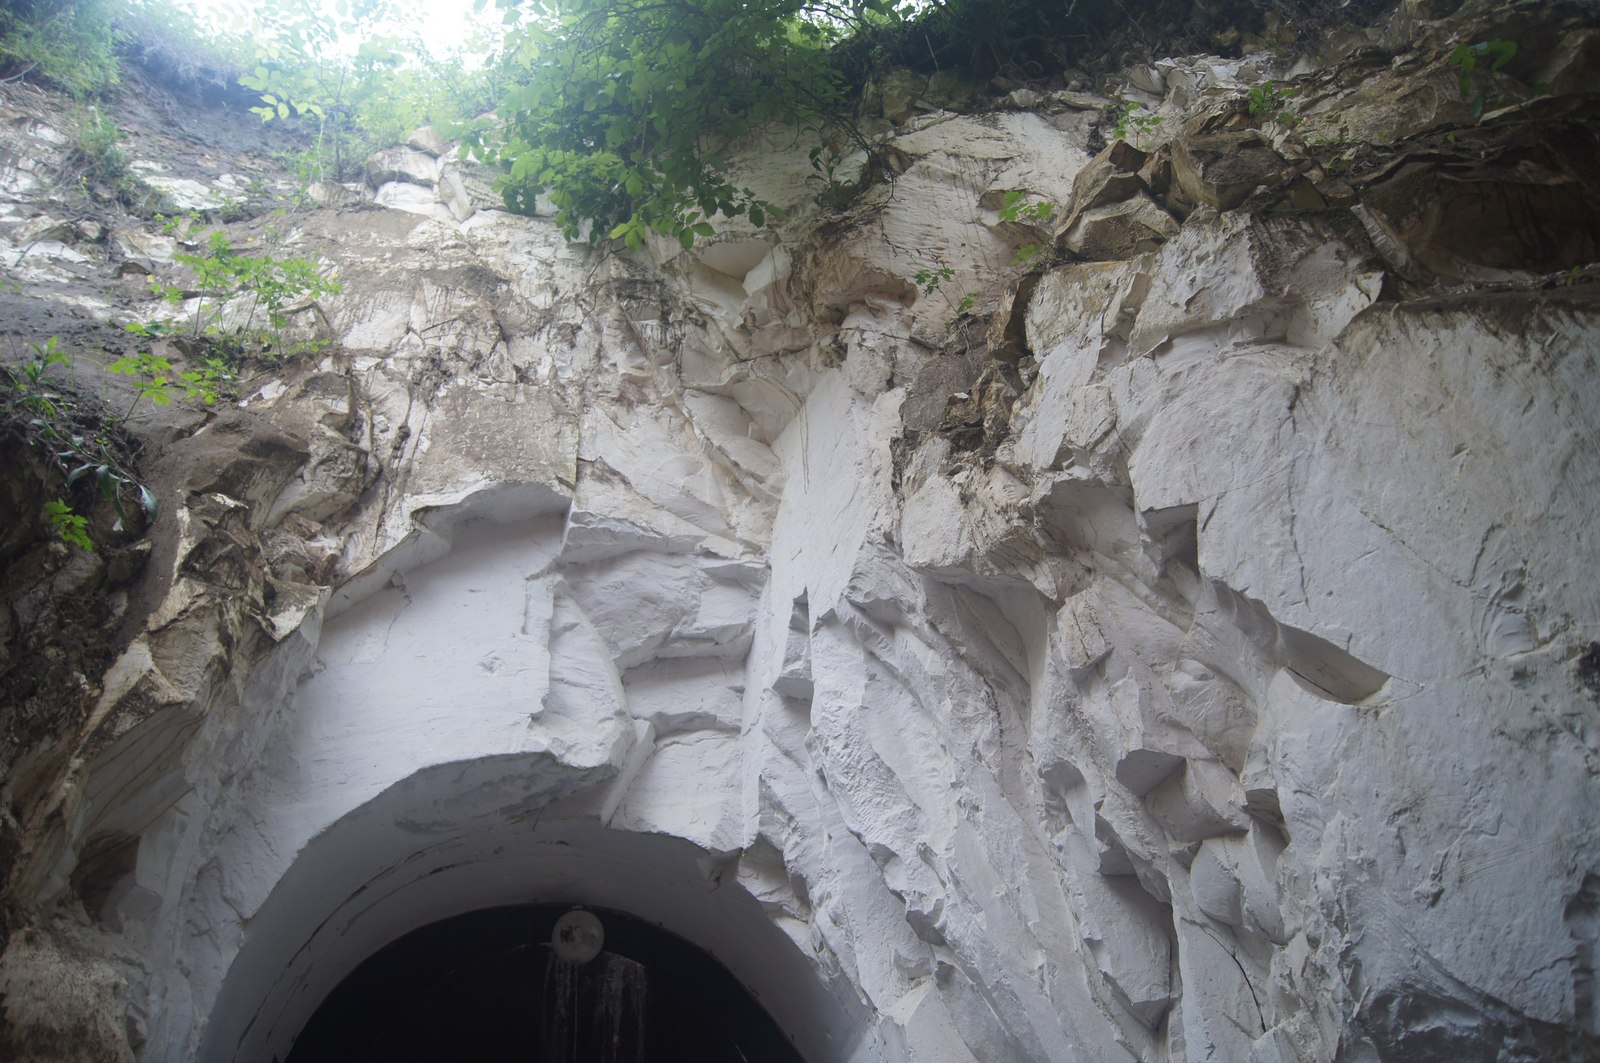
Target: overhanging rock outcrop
point(1184, 658)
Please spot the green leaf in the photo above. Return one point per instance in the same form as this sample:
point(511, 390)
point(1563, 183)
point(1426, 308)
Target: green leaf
point(71, 526)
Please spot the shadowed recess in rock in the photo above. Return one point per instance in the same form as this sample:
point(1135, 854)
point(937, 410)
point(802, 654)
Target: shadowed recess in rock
point(1317, 664)
point(486, 986)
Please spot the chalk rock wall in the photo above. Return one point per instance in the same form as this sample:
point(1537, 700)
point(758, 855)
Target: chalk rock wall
point(1187, 654)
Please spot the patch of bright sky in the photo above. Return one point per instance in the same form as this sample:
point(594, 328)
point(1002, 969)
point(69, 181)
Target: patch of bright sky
point(443, 26)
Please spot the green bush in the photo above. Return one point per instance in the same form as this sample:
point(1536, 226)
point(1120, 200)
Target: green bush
point(622, 112)
point(69, 43)
point(98, 157)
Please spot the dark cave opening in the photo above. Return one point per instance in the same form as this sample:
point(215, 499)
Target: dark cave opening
point(487, 986)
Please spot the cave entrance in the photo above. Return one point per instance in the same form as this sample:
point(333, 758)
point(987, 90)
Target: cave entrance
point(508, 983)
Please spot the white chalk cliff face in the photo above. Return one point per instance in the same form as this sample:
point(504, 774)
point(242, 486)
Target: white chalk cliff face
point(1183, 661)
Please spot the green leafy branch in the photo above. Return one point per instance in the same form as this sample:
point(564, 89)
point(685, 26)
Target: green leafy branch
point(221, 274)
point(44, 409)
point(1476, 64)
point(28, 387)
point(1268, 100)
point(152, 381)
point(1132, 117)
point(930, 278)
point(93, 457)
point(1028, 255)
point(1015, 207)
point(72, 527)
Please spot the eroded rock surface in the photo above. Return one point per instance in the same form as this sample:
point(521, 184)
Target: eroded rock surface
point(1189, 657)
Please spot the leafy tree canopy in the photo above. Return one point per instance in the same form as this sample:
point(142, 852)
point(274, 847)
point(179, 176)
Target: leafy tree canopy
point(621, 111)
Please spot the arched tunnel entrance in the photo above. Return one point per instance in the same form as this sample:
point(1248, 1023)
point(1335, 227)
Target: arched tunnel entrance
point(426, 922)
point(387, 941)
point(463, 742)
point(493, 985)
